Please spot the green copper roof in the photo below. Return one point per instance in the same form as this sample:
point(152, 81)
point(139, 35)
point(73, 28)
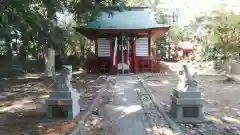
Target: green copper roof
point(126, 19)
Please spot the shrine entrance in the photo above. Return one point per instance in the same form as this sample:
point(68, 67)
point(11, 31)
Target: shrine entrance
point(123, 53)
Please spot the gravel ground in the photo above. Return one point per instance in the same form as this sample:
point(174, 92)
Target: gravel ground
point(88, 89)
point(97, 124)
point(156, 122)
point(222, 99)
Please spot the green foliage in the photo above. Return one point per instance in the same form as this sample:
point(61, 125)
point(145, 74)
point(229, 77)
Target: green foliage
point(162, 44)
point(76, 44)
point(134, 2)
point(177, 34)
point(218, 33)
point(37, 23)
point(29, 18)
point(224, 31)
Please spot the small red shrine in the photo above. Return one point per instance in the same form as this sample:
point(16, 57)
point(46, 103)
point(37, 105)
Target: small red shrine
point(185, 50)
point(123, 41)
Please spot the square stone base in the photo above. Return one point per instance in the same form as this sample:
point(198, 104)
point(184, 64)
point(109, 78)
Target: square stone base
point(123, 68)
point(63, 108)
point(123, 71)
point(187, 94)
point(187, 107)
point(59, 111)
point(187, 113)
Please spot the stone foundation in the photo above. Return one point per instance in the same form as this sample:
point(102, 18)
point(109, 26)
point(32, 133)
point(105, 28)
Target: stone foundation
point(123, 68)
point(187, 107)
point(235, 67)
point(68, 104)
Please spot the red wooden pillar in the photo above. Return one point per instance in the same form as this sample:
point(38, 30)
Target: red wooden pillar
point(96, 47)
point(150, 49)
point(135, 62)
point(149, 43)
point(126, 56)
point(111, 56)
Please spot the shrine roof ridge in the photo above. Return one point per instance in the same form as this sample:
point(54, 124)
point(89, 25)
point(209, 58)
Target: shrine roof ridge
point(128, 18)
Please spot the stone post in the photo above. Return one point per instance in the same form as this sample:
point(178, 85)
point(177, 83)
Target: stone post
point(63, 97)
point(67, 69)
point(187, 100)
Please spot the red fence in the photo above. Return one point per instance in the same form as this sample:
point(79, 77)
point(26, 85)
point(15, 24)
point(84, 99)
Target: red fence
point(98, 65)
point(148, 63)
point(143, 63)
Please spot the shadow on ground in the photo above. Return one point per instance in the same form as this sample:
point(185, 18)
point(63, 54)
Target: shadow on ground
point(22, 99)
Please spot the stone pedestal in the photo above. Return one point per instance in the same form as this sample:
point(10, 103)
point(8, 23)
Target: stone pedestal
point(63, 102)
point(187, 106)
point(235, 67)
point(123, 68)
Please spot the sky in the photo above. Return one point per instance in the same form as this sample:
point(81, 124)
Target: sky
point(189, 9)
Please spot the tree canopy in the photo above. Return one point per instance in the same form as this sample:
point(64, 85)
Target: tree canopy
point(218, 30)
point(224, 31)
point(35, 22)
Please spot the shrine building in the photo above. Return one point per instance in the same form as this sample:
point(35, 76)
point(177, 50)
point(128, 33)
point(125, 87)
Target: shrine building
point(185, 51)
point(123, 41)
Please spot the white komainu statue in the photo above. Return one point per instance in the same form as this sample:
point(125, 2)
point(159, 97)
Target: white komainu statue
point(187, 80)
point(63, 81)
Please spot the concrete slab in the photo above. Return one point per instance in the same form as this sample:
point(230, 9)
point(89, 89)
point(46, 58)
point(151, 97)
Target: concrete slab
point(125, 112)
point(187, 94)
point(187, 101)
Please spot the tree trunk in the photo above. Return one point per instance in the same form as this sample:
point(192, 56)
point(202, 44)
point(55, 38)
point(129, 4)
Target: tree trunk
point(25, 42)
point(23, 53)
point(9, 47)
point(226, 65)
point(229, 69)
point(49, 57)
point(114, 2)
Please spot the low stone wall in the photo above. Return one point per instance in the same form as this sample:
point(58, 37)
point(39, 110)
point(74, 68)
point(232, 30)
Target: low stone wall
point(235, 67)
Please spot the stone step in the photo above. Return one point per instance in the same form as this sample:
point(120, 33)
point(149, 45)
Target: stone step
point(187, 94)
point(190, 120)
point(187, 101)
